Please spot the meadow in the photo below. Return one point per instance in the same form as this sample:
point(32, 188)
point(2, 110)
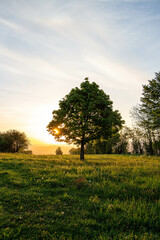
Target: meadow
point(62, 198)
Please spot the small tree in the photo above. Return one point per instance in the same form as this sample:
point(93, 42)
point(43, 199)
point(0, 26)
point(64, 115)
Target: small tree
point(59, 151)
point(85, 114)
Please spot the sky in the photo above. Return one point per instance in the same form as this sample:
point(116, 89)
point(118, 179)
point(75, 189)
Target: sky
point(49, 47)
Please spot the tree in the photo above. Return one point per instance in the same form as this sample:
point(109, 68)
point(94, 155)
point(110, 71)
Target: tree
point(142, 121)
point(147, 114)
point(59, 151)
point(85, 114)
point(13, 141)
point(137, 140)
point(90, 148)
point(2, 143)
point(150, 102)
point(74, 151)
point(122, 145)
point(102, 146)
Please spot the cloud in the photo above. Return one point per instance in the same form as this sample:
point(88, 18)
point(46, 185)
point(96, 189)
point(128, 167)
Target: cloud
point(28, 64)
point(12, 25)
point(118, 75)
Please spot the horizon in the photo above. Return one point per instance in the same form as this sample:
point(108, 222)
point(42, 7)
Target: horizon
point(49, 149)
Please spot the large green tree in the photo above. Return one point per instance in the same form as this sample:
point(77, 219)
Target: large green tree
point(85, 114)
point(147, 114)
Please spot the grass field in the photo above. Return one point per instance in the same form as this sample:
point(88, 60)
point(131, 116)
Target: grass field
point(63, 198)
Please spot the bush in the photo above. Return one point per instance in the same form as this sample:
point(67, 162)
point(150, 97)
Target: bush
point(59, 151)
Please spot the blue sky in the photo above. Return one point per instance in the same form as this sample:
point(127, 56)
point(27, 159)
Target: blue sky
point(48, 47)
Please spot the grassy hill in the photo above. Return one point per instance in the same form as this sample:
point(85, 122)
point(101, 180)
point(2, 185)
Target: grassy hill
point(63, 198)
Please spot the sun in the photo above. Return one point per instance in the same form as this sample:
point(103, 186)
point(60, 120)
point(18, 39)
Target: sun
point(56, 131)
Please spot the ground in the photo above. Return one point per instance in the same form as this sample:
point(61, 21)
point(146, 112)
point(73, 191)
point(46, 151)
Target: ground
point(61, 197)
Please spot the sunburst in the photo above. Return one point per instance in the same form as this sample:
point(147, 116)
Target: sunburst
point(56, 131)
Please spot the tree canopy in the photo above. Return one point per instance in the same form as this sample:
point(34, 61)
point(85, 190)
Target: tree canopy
point(85, 114)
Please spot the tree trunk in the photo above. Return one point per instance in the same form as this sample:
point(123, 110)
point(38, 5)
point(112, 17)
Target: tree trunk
point(82, 150)
point(150, 146)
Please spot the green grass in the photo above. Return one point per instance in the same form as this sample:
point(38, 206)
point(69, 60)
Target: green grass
point(63, 198)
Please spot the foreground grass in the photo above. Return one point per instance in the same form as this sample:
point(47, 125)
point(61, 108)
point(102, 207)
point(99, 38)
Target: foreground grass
point(62, 198)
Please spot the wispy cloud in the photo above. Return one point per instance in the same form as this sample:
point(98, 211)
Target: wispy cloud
point(12, 25)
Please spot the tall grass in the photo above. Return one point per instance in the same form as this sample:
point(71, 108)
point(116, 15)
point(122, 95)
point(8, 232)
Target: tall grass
point(62, 198)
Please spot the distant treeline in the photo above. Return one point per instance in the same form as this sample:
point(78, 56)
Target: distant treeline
point(127, 141)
